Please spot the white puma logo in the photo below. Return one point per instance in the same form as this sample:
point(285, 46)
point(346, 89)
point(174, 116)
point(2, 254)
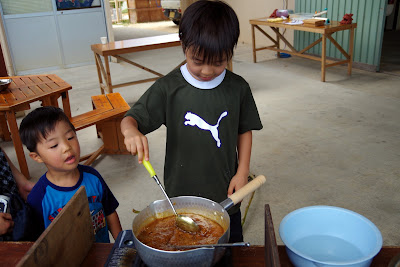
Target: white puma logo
point(195, 120)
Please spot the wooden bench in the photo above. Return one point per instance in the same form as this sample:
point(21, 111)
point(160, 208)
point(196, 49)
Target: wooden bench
point(116, 49)
point(108, 111)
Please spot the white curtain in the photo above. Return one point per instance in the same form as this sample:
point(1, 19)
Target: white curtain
point(11, 7)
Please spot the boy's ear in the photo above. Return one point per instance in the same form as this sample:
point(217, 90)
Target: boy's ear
point(36, 157)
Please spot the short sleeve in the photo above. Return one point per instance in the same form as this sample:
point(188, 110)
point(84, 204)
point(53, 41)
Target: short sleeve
point(149, 111)
point(249, 117)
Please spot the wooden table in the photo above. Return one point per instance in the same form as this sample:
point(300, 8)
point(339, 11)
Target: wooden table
point(18, 96)
point(325, 31)
point(116, 49)
point(97, 255)
point(12, 252)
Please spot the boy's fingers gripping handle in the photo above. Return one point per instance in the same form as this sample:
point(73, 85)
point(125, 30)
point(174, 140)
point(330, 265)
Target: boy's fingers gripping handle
point(247, 189)
point(149, 168)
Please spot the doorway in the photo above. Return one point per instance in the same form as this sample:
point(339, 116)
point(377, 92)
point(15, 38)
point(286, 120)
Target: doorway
point(390, 58)
point(145, 29)
point(139, 19)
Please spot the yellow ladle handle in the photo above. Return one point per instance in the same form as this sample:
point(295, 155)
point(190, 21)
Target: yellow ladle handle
point(149, 168)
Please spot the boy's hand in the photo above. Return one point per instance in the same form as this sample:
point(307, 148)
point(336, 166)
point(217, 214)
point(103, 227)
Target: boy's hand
point(136, 143)
point(6, 223)
point(237, 182)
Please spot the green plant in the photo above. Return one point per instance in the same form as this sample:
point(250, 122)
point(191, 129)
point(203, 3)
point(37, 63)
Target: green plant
point(124, 22)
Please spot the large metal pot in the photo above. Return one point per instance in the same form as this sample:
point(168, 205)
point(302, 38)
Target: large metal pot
point(189, 204)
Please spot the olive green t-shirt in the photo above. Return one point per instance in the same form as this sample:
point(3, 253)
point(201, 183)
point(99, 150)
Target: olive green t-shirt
point(202, 131)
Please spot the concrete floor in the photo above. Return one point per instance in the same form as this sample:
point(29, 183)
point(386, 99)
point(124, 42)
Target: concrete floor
point(334, 143)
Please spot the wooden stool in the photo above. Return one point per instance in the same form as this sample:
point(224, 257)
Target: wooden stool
point(108, 111)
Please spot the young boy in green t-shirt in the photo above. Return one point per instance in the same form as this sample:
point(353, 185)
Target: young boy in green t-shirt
point(209, 113)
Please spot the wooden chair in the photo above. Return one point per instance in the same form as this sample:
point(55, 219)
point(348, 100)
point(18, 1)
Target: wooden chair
point(108, 111)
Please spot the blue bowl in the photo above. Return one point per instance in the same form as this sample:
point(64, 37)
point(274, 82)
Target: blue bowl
point(329, 236)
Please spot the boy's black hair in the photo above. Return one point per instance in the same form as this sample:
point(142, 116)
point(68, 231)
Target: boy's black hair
point(211, 29)
point(39, 123)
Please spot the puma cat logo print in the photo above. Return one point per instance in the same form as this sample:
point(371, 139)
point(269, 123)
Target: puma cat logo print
point(195, 120)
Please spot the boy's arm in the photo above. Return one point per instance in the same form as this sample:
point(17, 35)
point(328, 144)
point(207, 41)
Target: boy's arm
point(135, 141)
point(37, 219)
point(244, 152)
point(114, 225)
point(24, 185)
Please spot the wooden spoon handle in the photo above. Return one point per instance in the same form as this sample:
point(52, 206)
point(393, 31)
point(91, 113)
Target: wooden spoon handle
point(247, 189)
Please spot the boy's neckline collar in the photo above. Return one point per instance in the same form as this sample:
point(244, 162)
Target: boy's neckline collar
point(56, 185)
point(199, 84)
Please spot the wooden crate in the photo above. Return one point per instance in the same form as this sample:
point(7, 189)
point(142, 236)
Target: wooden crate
point(131, 11)
point(145, 11)
point(142, 4)
point(142, 15)
point(157, 15)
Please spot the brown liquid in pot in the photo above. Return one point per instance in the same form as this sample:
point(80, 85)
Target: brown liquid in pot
point(164, 234)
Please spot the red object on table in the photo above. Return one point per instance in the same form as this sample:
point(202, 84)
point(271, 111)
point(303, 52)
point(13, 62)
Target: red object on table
point(274, 15)
point(347, 19)
point(17, 97)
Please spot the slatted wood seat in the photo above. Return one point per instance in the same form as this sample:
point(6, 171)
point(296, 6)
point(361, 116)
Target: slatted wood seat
point(108, 111)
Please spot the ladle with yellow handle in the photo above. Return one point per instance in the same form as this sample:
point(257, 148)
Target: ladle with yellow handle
point(184, 222)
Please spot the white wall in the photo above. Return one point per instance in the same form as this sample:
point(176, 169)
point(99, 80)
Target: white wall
point(252, 9)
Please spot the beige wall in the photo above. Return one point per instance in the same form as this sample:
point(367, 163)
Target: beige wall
point(251, 9)
point(186, 3)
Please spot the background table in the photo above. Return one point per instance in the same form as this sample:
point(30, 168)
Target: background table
point(17, 97)
point(118, 48)
point(326, 31)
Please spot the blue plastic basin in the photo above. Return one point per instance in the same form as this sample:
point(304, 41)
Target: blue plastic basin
point(329, 236)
